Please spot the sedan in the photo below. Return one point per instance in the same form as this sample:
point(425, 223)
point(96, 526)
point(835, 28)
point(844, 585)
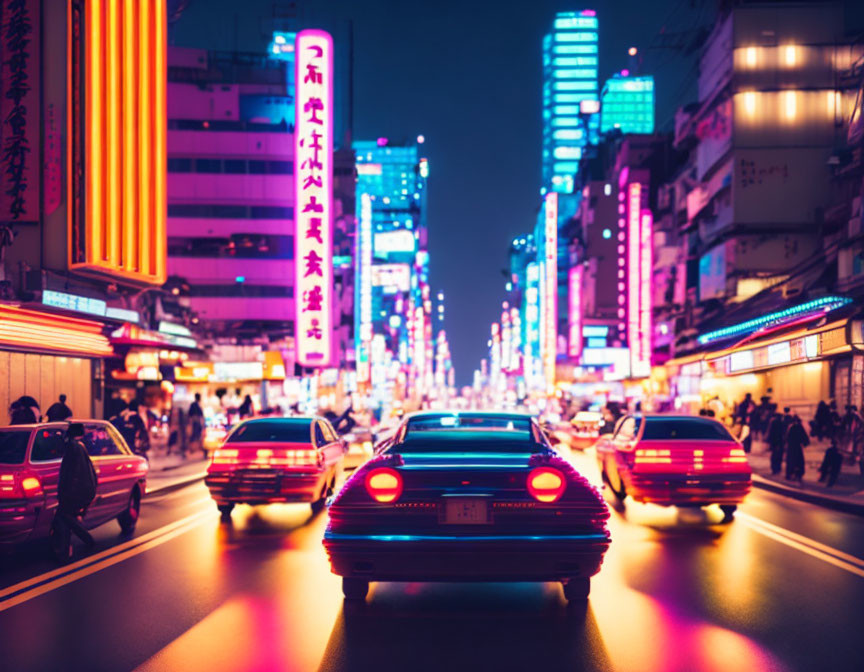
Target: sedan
point(467, 497)
point(266, 460)
point(30, 457)
point(675, 460)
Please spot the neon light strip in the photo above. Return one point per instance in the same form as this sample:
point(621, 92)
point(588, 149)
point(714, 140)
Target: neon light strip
point(335, 536)
point(160, 114)
point(112, 139)
point(550, 312)
point(145, 131)
point(129, 146)
point(93, 129)
point(634, 196)
point(645, 277)
point(826, 303)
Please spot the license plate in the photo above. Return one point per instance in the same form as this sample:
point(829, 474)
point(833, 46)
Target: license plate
point(474, 511)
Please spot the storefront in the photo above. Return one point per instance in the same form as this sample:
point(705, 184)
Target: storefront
point(44, 355)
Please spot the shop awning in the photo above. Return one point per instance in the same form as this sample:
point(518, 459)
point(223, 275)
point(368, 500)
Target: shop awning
point(36, 330)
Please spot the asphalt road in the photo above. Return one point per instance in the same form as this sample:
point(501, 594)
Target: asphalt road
point(781, 588)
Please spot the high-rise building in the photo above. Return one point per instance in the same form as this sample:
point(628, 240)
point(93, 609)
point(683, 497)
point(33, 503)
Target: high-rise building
point(570, 87)
point(627, 104)
point(394, 307)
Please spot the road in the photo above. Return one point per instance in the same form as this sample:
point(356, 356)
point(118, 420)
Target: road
point(781, 588)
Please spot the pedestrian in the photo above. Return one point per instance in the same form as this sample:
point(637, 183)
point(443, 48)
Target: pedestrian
point(763, 417)
point(831, 464)
point(76, 490)
point(821, 421)
point(131, 426)
point(746, 435)
point(246, 408)
point(745, 408)
point(196, 422)
point(21, 415)
point(796, 440)
point(775, 436)
point(58, 411)
point(835, 422)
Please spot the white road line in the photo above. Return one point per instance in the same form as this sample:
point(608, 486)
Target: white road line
point(804, 544)
point(137, 541)
point(92, 569)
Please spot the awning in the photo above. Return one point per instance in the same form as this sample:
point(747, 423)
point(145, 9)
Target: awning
point(36, 330)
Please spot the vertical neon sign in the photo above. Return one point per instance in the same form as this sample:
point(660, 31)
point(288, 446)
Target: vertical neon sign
point(634, 239)
point(506, 343)
point(363, 291)
point(313, 203)
point(550, 303)
point(645, 272)
point(574, 313)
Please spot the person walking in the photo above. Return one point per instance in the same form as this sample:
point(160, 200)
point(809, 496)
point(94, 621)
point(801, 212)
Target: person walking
point(58, 411)
point(76, 490)
point(776, 433)
point(21, 415)
point(831, 465)
point(746, 435)
point(821, 421)
point(130, 424)
point(247, 409)
point(796, 440)
point(196, 423)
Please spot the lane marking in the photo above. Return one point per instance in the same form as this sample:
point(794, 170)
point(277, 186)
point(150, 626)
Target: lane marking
point(89, 560)
point(108, 562)
point(815, 549)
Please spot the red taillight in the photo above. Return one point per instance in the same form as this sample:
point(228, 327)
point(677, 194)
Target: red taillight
point(546, 484)
point(16, 486)
point(652, 456)
point(384, 484)
point(224, 456)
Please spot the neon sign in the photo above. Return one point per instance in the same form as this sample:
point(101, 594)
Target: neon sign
point(643, 364)
point(574, 313)
point(634, 232)
point(550, 307)
point(313, 239)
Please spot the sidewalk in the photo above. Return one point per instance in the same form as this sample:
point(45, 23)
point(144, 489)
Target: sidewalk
point(847, 494)
point(172, 471)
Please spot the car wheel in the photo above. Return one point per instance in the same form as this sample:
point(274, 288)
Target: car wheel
point(60, 542)
point(225, 510)
point(354, 589)
point(728, 512)
point(129, 518)
point(577, 590)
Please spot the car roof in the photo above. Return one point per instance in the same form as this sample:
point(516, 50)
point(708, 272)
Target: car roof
point(57, 423)
point(282, 418)
point(479, 414)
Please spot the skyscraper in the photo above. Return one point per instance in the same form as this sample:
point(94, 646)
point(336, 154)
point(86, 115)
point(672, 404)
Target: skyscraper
point(627, 103)
point(569, 80)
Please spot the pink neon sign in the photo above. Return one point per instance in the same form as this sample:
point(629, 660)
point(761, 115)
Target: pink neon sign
point(645, 278)
point(634, 196)
point(574, 313)
point(313, 179)
point(550, 308)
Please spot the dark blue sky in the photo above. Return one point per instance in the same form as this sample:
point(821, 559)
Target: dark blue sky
point(467, 75)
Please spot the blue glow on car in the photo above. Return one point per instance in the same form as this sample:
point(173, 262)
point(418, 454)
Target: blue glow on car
point(498, 537)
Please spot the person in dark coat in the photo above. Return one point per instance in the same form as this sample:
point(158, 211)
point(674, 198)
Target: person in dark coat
point(59, 411)
point(775, 437)
point(246, 408)
point(821, 421)
point(76, 490)
point(21, 415)
point(831, 465)
point(131, 425)
point(796, 440)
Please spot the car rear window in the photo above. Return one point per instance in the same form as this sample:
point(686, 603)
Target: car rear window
point(288, 431)
point(468, 441)
point(482, 423)
point(684, 429)
point(13, 446)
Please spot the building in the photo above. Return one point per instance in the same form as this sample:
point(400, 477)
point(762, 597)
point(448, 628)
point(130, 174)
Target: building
point(569, 80)
point(393, 323)
point(627, 104)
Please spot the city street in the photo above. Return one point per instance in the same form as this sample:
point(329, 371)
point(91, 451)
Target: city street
point(779, 588)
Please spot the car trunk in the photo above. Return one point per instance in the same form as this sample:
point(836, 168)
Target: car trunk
point(233, 457)
point(689, 457)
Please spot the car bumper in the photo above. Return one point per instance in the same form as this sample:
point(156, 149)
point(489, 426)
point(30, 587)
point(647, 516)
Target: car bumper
point(465, 558)
point(262, 487)
point(682, 490)
point(17, 521)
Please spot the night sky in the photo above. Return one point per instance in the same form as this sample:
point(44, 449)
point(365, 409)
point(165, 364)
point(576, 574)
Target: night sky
point(466, 75)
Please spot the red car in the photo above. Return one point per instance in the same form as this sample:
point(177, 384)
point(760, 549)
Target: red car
point(675, 460)
point(265, 460)
point(30, 457)
point(467, 496)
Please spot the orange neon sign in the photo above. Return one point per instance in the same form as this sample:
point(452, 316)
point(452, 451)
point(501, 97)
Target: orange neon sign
point(117, 134)
point(34, 329)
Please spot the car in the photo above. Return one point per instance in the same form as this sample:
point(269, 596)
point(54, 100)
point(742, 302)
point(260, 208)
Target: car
point(585, 429)
point(467, 496)
point(266, 460)
point(30, 457)
point(678, 460)
point(360, 442)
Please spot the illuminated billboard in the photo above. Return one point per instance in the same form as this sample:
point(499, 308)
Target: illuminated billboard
point(397, 241)
point(550, 294)
point(363, 290)
point(313, 180)
point(396, 277)
point(116, 138)
point(574, 311)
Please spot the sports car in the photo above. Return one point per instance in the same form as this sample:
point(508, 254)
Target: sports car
point(467, 497)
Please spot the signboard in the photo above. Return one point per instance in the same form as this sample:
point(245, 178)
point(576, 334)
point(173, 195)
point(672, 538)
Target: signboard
point(313, 180)
point(574, 296)
point(392, 276)
point(550, 285)
point(389, 242)
point(363, 338)
point(634, 202)
point(643, 365)
point(74, 302)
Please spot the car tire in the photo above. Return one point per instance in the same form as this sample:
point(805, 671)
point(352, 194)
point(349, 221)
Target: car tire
point(354, 589)
point(129, 518)
point(60, 542)
point(577, 589)
point(225, 510)
point(728, 512)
